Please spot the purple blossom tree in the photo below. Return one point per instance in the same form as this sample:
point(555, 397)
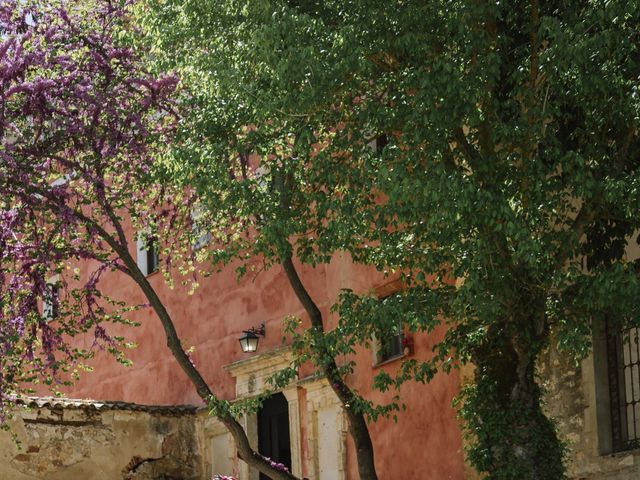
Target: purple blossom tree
point(82, 125)
point(78, 120)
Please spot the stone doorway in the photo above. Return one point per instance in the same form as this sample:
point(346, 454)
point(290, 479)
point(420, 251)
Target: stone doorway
point(274, 439)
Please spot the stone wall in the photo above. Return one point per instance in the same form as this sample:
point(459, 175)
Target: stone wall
point(577, 399)
point(100, 441)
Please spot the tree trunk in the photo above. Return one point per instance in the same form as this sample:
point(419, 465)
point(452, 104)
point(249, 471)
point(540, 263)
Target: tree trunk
point(245, 452)
point(514, 440)
point(357, 423)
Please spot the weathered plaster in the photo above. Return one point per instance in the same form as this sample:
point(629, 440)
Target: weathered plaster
point(81, 444)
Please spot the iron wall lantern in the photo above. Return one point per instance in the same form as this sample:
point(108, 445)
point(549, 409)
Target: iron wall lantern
point(249, 339)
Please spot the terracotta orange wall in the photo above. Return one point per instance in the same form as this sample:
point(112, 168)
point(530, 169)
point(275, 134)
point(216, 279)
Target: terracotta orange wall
point(425, 443)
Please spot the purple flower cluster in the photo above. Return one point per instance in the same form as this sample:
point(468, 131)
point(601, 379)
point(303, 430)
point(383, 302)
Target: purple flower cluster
point(80, 120)
point(278, 466)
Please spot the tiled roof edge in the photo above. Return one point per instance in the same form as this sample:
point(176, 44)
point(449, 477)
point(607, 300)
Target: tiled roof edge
point(97, 405)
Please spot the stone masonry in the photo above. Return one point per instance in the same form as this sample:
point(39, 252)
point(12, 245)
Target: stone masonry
point(82, 440)
point(574, 401)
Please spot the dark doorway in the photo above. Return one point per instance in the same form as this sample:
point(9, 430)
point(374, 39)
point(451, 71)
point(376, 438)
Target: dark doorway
point(273, 431)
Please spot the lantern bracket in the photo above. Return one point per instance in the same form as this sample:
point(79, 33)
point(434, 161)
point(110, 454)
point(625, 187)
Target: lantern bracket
point(260, 330)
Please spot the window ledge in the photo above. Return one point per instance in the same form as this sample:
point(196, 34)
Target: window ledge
point(390, 360)
point(632, 452)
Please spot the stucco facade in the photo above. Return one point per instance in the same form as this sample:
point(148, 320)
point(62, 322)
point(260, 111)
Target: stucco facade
point(424, 443)
point(210, 322)
point(80, 439)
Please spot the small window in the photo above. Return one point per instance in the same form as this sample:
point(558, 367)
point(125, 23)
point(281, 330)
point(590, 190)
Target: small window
point(378, 143)
point(152, 256)
point(623, 359)
point(147, 255)
point(390, 347)
point(51, 300)
point(199, 227)
point(381, 142)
